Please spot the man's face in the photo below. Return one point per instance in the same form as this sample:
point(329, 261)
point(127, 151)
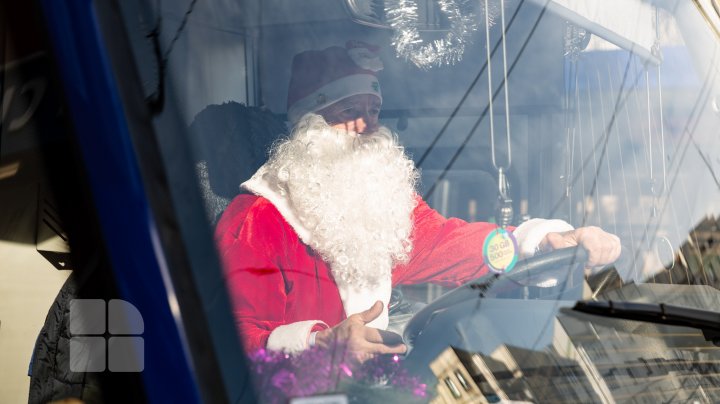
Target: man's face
point(357, 113)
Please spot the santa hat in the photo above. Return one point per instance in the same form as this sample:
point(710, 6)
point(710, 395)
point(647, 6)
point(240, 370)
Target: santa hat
point(321, 78)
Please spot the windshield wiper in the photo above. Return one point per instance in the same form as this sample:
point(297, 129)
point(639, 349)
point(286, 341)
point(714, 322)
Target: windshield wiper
point(706, 321)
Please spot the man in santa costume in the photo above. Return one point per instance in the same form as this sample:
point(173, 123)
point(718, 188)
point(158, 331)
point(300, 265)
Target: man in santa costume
point(333, 220)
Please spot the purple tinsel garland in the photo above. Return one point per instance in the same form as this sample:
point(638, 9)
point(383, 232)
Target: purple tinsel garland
point(280, 376)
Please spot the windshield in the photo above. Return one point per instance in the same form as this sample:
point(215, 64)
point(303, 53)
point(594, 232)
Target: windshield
point(381, 145)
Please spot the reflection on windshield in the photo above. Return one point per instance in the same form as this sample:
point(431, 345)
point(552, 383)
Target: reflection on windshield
point(480, 114)
point(590, 362)
point(574, 357)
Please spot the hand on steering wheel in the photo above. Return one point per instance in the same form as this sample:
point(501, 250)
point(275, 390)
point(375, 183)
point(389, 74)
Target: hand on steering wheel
point(603, 248)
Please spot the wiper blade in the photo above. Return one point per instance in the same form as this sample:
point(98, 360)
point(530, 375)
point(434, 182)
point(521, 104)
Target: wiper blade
point(707, 321)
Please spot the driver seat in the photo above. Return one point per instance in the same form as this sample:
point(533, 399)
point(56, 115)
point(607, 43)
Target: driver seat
point(234, 140)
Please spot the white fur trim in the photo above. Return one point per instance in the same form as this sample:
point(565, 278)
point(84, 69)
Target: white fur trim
point(531, 233)
point(365, 58)
point(354, 300)
point(259, 186)
point(333, 92)
point(358, 300)
point(292, 337)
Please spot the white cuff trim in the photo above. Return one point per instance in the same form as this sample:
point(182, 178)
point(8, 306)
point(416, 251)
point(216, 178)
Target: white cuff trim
point(531, 233)
point(292, 337)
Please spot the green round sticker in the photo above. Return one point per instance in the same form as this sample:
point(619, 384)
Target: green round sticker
point(500, 250)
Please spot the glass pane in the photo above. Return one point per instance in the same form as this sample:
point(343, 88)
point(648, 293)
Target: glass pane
point(361, 151)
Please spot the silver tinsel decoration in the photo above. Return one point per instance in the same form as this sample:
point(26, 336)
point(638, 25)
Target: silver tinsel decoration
point(402, 15)
point(576, 40)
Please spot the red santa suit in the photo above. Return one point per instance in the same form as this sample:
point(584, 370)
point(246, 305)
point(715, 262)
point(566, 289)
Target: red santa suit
point(281, 290)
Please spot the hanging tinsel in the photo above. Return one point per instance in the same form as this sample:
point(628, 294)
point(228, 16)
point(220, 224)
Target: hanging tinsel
point(402, 15)
point(576, 40)
point(319, 371)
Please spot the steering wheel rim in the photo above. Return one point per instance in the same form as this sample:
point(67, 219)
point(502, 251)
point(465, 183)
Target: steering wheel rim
point(525, 269)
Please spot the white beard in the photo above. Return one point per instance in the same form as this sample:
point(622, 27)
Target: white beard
point(354, 193)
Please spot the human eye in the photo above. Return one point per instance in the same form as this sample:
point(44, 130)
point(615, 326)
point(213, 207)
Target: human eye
point(348, 113)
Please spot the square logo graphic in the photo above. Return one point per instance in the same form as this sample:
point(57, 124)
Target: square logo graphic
point(87, 354)
point(106, 336)
point(125, 354)
point(124, 318)
point(87, 317)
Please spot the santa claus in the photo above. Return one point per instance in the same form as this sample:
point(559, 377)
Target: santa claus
point(333, 220)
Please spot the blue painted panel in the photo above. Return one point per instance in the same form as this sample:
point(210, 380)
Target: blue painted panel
point(124, 214)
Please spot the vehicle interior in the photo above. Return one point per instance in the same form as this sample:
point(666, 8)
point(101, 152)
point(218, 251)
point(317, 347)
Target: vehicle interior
point(595, 112)
point(599, 113)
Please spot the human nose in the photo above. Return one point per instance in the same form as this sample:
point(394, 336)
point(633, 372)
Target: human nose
point(370, 122)
point(357, 125)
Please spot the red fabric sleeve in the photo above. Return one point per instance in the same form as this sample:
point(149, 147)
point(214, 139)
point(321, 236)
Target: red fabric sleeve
point(445, 251)
point(246, 239)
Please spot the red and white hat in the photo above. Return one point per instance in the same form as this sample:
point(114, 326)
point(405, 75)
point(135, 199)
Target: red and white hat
point(321, 78)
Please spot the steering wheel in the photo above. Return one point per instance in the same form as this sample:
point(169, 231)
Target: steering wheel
point(532, 271)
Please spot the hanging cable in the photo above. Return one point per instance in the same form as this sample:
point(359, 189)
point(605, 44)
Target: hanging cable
point(505, 166)
point(579, 125)
point(656, 193)
point(504, 212)
point(620, 158)
point(663, 241)
point(489, 84)
point(651, 162)
point(601, 143)
point(570, 82)
point(576, 39)
point(465, 96)
point(657, 52)
point(472, 131)
point(594, 155)
point(490, 89)
point(505, 87)
point(681, 147)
